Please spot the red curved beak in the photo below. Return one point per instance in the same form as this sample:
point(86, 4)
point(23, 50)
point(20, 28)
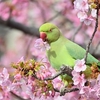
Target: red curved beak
point(43, 36)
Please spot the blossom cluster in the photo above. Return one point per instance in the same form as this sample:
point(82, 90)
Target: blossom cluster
point(86, 11)
point(15, 9)
point(30, 80)
point(25, 84)
point(89, 87)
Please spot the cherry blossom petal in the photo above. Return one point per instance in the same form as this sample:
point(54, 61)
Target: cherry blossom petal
point(80, 65)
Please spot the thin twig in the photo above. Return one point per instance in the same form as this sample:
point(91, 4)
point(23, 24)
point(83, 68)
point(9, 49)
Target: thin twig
point(27, 53)
point(55, 16)
point(78, 29)
point(64, 70)
point(66, 91)
point(90, 41)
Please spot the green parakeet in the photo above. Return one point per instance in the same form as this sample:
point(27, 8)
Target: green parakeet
point(62, 51)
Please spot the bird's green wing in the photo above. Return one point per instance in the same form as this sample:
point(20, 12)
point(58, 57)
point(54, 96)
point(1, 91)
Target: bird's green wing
point(77, 52)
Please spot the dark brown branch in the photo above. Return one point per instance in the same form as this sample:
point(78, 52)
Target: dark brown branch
point(90, 41)
point(16, 25)
point(66, 91)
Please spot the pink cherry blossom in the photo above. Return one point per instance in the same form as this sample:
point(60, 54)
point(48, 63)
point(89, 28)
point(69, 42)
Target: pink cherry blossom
point(47, 46)
point(88, 21)
point(1, 96)
point(26, 90)
point(21, 59)
point(82, 15)
point(18, 76)
point(81, 5)
point(39, 44)
point(93, 13)
point(5, 85)
point(4, 76)
point(74, 73)
point(16, 88)
point(19, 12)
point(4, 11)
point(80, 65)
point(79, 80)
point(85, 13)
point(39, 48)
point(57, 83)
point(21, 88)
point(84, 89)
point(43, 72)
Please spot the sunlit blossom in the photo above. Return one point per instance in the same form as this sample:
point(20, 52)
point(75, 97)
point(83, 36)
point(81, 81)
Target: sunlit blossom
point(80, 65)
point(79, 80)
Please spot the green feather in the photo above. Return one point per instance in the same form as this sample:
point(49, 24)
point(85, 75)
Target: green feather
point(58, 54)
point(77, 52)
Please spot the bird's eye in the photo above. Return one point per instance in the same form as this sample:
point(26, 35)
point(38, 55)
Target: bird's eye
point(50, 30)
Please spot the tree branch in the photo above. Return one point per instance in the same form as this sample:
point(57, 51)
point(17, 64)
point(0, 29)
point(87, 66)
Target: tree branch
point(66, 91)
point(55, 16)
point(64, 70)
point(16, 25)
point(90, 41)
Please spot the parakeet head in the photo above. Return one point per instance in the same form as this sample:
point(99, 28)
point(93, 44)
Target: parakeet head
point(49, 32)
